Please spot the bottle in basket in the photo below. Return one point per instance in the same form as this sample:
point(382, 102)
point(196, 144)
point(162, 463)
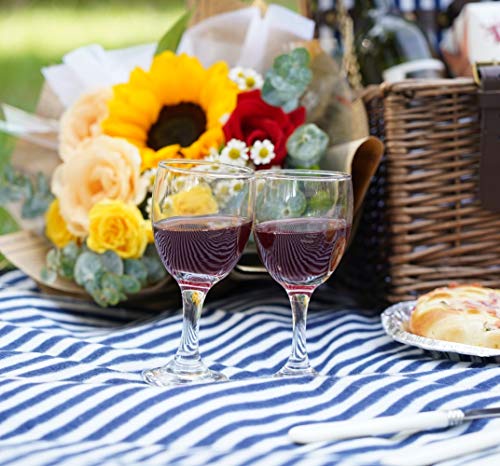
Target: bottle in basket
point(389, 47)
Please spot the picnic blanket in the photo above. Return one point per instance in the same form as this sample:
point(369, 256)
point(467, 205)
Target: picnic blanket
point(71, 392)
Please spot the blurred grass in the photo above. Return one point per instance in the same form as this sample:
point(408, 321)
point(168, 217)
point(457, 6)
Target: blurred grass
point(39, 33)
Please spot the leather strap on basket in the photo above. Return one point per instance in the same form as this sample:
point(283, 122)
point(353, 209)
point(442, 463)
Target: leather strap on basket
point(489, 170)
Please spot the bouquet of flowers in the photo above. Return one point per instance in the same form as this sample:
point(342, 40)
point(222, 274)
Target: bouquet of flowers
point(112, 138)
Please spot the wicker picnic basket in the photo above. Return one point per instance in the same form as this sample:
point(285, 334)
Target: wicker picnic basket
point(423, 225)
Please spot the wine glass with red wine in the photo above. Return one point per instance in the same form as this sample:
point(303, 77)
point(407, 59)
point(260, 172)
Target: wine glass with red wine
point(202, 218)
point(302, 222)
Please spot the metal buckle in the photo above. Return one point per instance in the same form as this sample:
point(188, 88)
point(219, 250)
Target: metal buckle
point(475, 69)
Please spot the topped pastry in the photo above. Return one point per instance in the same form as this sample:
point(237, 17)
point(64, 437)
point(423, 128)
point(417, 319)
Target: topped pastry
point(468, 314)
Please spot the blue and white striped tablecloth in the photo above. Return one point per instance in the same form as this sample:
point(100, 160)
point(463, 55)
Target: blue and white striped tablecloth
point(71, 391)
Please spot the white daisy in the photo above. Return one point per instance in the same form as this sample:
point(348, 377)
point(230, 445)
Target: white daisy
point(259, 185)
point(262, 152)
point(223, 119)
point(235, 153)
point(226, 189)
point(246, 78)
point(179, 183)
point(166, 206)
point(222, 192)
point(148, 178)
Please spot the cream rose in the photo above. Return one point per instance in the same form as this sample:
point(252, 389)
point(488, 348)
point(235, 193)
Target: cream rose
point(82, 121)
point(102, 168)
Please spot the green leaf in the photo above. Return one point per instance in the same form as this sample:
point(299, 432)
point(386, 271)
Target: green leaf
point(136, 269)
point(306, 146)
point(170, 41)
point(71, 251)
point(88, 268)
point(7, 222)
point(37, 197)
point(130, 284)
point(48, 275)
point(67, 260)
point(53, 259)
point(112, 262)
point(93, 290)
point(156, 271)
point(287, 80)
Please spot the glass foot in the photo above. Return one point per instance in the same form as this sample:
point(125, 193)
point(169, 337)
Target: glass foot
point(176, 373)
point(290, 371)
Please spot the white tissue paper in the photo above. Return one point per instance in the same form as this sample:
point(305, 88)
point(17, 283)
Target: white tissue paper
point(245, 37)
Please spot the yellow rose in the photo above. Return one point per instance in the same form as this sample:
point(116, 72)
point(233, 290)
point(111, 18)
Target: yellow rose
point(82, 121)
point(199, 200)
point(149, 232)
point(55, 226)
point(103, 168)
point(118, 227)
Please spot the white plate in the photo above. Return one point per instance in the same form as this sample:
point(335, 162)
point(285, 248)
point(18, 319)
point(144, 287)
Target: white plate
point(395, 321)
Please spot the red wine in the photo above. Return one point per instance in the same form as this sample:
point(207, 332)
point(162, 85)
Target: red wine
point(201, 251)
point(301, 253)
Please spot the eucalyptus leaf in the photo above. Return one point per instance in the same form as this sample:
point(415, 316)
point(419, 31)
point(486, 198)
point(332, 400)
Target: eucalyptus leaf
point(306, 146)
point(170, 40)
point(111, 280)
point(95, 291)
point(37, 196)
point(156, 271)
point(130, 284)
point(71, 251)
point(112, 262)
point(52, 259)
point(88, 268)
point(110, 296)
point(287, 80)
point(136, 269)
point(48, 276)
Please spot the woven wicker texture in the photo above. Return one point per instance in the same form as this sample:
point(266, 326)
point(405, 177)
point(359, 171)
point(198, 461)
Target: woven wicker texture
point(431, 229)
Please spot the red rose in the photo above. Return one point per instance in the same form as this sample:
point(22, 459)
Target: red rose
point(255, 120)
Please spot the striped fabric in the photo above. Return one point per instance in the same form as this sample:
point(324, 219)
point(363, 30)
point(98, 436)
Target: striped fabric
point(71, 391)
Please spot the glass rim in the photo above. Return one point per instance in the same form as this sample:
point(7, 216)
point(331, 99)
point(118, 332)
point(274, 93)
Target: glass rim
point(303, 174)
point(244, 172)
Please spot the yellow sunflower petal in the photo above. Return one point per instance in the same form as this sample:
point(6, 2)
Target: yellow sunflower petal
point(151, 159)
point(142, 101)
point(114, 127)
point(194, 151)
point(127, 113)
point(166, 78)
point(191, 87)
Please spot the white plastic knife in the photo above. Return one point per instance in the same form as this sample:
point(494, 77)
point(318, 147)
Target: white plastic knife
point(328, 431)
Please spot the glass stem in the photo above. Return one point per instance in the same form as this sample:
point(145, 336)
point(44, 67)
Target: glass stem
point(298, 360)
point(188, 353)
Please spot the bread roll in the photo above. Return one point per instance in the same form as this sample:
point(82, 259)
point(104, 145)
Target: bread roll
point(468, 314)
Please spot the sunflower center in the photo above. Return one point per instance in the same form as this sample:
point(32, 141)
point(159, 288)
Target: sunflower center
point(179, 124)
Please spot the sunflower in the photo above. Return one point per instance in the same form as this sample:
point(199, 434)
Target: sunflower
point(173, 110)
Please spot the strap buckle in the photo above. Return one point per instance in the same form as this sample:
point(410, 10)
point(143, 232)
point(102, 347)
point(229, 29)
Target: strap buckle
point(475, 69)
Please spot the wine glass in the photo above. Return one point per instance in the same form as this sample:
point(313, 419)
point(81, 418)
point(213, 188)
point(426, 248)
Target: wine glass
point(302, 221)
point(202, 218)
